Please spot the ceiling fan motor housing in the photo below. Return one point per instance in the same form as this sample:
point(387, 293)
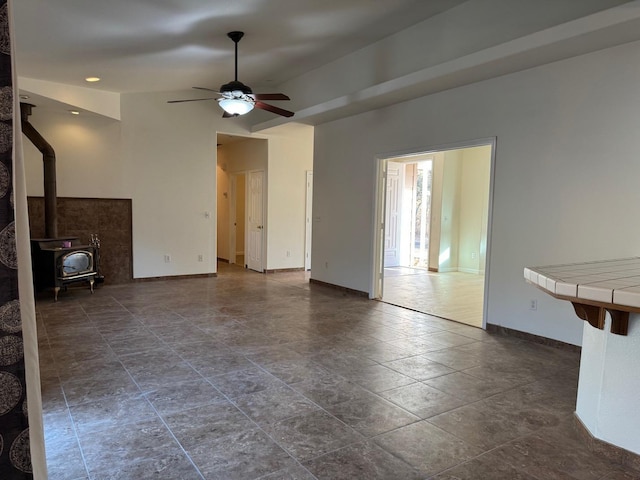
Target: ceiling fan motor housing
point(235, 86)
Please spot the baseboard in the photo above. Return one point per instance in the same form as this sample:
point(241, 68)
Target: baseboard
point(463, 270)
point(284, 270)
point(175, 277)
point(223, 260)
point(447, 270)
point(350, 291)
point(612, 452)
point(491, 328)
point(474, 271)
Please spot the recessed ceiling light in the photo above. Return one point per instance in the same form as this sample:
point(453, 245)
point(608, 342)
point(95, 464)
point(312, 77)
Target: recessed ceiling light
point(74, 112)
point(92, 79)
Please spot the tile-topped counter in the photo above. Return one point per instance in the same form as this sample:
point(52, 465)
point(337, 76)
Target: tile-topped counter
point(609, 381)
point(594, 288)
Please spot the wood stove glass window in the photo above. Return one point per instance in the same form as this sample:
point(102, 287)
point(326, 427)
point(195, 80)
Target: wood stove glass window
point(76, 263)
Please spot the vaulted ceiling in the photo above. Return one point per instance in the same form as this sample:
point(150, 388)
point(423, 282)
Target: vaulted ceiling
point(156, 45)
point(333, 57)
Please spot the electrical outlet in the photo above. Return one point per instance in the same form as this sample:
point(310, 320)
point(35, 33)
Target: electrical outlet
point(167, 259)
point(200, 258)
point(533, 304)
point(288, 253)
point(326, 264)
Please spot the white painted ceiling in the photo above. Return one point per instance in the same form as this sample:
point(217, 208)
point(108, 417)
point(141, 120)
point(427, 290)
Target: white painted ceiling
point(304, 48)
point(166, 45)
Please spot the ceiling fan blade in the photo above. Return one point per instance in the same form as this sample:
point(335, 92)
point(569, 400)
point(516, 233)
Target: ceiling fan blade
point(272, 109)
point(270, 96)
point(190, 100)
point(207, 89)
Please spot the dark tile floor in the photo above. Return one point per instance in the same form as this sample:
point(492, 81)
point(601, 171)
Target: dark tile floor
point(249, 376)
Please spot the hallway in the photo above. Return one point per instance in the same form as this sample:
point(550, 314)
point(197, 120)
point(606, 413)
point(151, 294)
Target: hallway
point(253, 376)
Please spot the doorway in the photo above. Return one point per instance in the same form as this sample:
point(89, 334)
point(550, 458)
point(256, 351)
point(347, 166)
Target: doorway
point(408, 213)
point(433, 216)
point(240, 200)
point(237, 218)
point(255, 220)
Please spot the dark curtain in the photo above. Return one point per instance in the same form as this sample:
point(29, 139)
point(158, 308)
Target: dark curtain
point(15, 458)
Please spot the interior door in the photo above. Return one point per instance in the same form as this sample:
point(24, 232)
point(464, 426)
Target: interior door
point(255, 220)
point(392, 214)
point(308, 214)
point(233, 183)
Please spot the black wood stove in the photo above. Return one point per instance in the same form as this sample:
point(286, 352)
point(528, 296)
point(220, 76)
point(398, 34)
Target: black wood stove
point(61, 261)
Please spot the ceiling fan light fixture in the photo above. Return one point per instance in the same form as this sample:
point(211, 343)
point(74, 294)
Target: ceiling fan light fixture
point(235, 106)
point(237, 98)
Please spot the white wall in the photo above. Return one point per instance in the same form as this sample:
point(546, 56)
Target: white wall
point(285, 157)
point(89, 160)
point(474, 202)
point(290, 156)
point(244, 155)
point(163, 157)
point(464, 185)
point(171, 153)
point(450, 211)
point(565, 176)
point(460, 198)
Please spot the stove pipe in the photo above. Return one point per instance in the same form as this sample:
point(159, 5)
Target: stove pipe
point(49, 161)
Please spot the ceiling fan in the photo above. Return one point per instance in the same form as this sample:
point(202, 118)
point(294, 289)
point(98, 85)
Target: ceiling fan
point(236, 98)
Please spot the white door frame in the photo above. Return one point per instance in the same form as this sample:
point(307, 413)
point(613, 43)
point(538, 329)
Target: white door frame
point(380, 198)
point(308, 220)
point(233, 188)
point(261, 225)
point(233, 217)
point(377, 276)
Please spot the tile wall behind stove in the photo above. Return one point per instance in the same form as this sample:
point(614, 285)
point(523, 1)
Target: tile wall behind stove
point(80, 217)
